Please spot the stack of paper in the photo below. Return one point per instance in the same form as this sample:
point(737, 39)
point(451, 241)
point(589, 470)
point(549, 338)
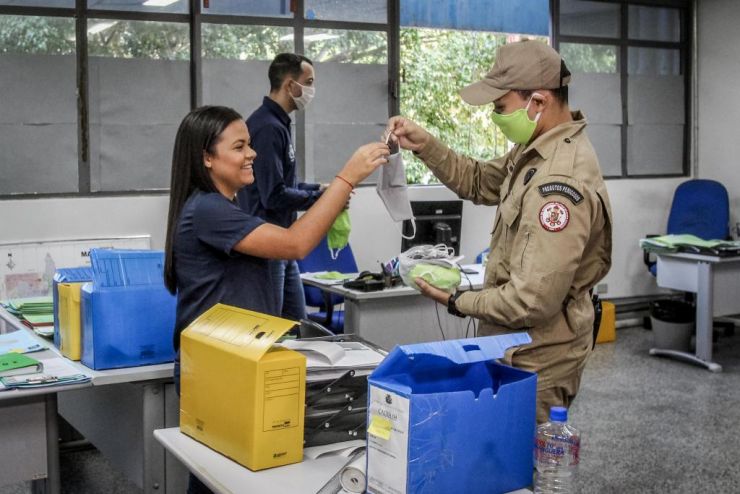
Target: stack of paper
point(37, 313)
point(325, 359)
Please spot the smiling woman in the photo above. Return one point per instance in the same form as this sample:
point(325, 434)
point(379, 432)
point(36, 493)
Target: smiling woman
point(215, 251)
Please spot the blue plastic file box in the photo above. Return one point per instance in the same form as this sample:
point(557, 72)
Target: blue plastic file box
point(66, 275)
point(128, 314)
point(446, 417)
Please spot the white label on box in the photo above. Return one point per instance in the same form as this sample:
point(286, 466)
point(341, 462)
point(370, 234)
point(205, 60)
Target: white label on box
point(387, 442)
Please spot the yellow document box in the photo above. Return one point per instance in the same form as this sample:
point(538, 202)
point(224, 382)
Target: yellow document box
point(608, 326)
point(69, 319)
point(240, 395)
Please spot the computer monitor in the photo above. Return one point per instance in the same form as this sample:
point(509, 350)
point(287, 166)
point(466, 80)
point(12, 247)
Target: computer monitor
point(437, 222)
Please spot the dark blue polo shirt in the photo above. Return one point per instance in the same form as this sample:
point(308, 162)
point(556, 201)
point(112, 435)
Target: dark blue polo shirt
point(275, 195)
point(208, 270)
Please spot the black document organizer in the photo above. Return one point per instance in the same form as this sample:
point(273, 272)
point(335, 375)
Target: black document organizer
point(336, 408)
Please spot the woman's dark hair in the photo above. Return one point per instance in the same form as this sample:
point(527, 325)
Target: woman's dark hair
point(199, 133)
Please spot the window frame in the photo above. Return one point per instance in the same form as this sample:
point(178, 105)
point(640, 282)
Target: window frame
point(623, 43)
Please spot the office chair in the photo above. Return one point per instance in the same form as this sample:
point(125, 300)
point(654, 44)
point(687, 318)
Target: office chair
point(702, 208)
point(319, 259)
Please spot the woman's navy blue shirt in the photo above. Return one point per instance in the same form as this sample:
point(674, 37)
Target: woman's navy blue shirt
point(207, 268)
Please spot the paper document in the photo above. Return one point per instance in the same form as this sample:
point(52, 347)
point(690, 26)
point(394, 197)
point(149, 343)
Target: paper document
point(335, 355)
point(346, 449)
point(20, 342)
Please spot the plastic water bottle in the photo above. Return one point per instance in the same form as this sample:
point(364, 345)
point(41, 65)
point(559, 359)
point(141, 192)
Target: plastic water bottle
point(556, 453)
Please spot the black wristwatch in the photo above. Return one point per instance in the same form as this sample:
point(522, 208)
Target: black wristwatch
point(451, 307)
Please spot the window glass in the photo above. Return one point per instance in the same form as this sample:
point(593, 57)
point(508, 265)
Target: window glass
point(169, 6)
point(139, 91)
point(235, 63)
point(347, 10)
point(38, 121)
point(344, 46)
point(263, 8)
point(593, 59)
point(598, 19)
point(39, 3)
point(654, 24)
point(351, 103)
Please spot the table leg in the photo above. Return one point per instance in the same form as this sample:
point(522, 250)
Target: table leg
point(704, 323)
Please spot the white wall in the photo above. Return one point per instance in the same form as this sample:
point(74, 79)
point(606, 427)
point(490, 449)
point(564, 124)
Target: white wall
point(719, 109)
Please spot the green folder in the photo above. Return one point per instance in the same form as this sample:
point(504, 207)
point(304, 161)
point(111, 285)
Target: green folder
point(13, 364)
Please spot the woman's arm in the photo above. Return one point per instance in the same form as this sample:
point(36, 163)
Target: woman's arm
point(273, 242)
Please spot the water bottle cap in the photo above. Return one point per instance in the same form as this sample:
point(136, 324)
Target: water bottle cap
point(558, 414)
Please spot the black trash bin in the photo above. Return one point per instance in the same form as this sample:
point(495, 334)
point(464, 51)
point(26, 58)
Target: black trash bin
point(673, 324)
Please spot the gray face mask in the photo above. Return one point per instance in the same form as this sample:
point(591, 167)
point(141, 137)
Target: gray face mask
point(393, 190)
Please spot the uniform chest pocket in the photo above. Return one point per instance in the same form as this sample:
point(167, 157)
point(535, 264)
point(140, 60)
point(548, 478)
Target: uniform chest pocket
point(510, 213)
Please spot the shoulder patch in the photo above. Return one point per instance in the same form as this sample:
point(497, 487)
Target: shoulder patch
point(562, 189)
point(554, 216)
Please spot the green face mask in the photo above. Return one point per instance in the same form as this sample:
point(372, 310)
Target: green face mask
point(338, 236)
point(517, 126)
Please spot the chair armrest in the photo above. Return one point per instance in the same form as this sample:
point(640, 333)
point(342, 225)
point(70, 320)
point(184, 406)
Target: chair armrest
point(646, 255)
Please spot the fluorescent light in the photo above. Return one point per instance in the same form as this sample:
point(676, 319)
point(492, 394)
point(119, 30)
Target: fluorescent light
point(100, 27)
point(158, 3)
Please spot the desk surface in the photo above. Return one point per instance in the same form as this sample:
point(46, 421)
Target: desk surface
point(225, 476)
point(700, 257)
point(468, 280)
point(8, 323)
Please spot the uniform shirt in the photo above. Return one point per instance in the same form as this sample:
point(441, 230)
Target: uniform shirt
point(208, 270)
point(551, 243)
point(275, 195)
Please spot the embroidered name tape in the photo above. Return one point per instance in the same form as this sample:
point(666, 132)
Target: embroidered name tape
point(562, 189)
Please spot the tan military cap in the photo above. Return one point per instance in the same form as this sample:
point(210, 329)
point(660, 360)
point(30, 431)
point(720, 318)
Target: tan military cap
point(526, 64)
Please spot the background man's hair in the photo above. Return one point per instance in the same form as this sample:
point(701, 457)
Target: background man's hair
point(285, 65)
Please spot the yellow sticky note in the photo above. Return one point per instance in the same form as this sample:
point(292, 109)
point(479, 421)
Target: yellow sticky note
point(380, 427)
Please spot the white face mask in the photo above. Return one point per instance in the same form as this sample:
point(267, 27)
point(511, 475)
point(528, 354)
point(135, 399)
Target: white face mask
point(307, 94)
point(393, 191)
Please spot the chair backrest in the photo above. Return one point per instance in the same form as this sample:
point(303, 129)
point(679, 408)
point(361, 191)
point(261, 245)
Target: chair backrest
point(701, 208)
point(320, 259)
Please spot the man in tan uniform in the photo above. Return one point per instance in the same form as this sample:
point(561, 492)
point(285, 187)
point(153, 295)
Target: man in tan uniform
point(551, 241)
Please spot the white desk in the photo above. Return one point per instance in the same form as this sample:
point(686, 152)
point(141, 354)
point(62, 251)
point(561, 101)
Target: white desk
point(28, 425)
point(716, 283)
point(117, 411)
point(224, 476)
point(399, 315)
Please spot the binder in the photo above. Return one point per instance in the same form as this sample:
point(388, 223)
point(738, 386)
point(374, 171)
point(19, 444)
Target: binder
point(14, 364)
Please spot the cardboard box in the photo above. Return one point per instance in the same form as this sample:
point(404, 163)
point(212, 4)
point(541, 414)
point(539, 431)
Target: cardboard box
point(447, 417)
point(240, 395)
point(69, 320)
point(66, 275)
point(128, 316)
